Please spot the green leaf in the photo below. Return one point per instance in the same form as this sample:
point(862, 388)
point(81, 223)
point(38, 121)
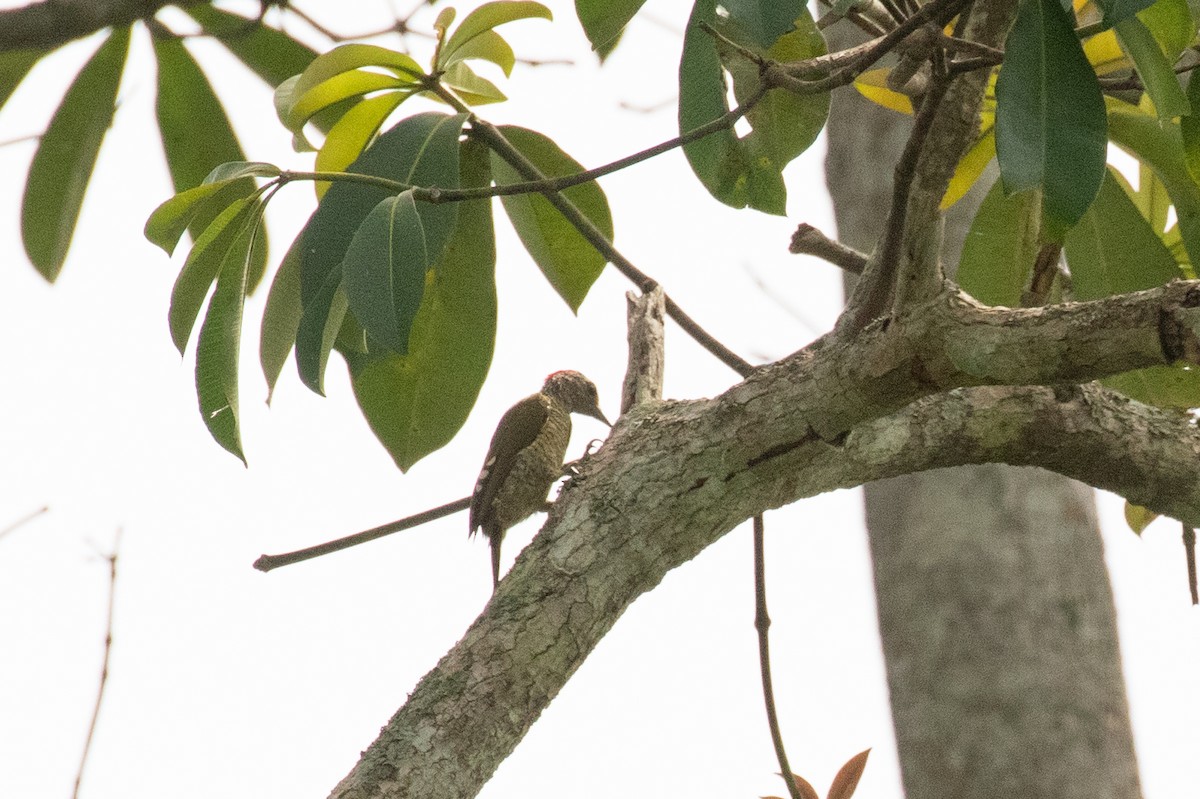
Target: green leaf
point(223, 186)
point(1170, 22)
point(349, 137)
point(384, 271)
point(603, 20)
point(343, 86)
point(1113, 249)
point(1000, 248)
point(281, 317)
point(1155, 70)
point(1159, 145)
point(1152, 199)
point(415, 403)
point(764, 21)
point(14, 66)
point(487, 46)
point(747, 171)
point(565, 257)
point(472, 89)
point(63, 163)
point(420, 150)
point(196, 135)
point(486, 17)
point(218, 344)
point(1116, 11)
point(1176, 387)
point(1190, 129)
point(213, 250)
point(1137, 517)
point(322, 315)
point(1050, 126)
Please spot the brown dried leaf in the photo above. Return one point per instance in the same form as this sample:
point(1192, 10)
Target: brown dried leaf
point(847, 778)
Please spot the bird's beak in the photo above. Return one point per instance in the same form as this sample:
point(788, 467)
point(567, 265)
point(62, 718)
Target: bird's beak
point(596, 413)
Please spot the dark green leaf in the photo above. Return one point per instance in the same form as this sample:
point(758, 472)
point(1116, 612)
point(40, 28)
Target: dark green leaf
point(603, 20)
point(747, 171)
point(1050, 126)
point(1155, 70)
point(218, 345)
point(764, 21)
point(271, 54)
point(1190, 129)
point(1000, 248)
point(281, 317)
point(1116, 11)
point(321, 318)
point(1113, 250)
point(14, 66)
point(415, 403)
point(420, 150)
point(63, 164)
point(384, 271)
point(214, 248)
point(569, 262)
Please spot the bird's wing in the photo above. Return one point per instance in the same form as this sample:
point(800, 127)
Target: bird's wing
point(517, 429)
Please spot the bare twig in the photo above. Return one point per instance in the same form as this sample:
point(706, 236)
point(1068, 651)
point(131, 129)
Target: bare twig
point(108, 628)
point(762, 623)
point(807, 240)
point(1189, 548)
point(267, 562)
point(21, 522)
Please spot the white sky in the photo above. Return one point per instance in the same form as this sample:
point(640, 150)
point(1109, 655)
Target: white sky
point(225, 681)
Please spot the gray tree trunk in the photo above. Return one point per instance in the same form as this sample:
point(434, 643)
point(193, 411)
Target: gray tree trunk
point(995, 609)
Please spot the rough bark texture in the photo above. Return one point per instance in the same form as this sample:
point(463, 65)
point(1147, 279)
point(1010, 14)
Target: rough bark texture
point(995, 610)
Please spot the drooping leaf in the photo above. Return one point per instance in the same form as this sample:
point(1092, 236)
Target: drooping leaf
point(384, 271)
point(66, 155)
point(14, 66)
point(746, 171)
point(1159, 145)
point(322, 315)
point(872, 84)
point(343, 86)
point(218, 345)
point(1138, 518)
point(281, 317)
point(603, 20)
point(1000, 248)
point(483, 19)
point(567, 260)
point(197, 137)
point(212, 251)
point(1113, 249)
point(415, 403)
point(1156, 71)
point(420, 150)
point(223, 185)
point(1050, 124)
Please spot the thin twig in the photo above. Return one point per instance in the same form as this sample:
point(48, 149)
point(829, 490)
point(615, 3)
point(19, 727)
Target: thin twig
point(267, 562)
point(108, 628)
point(436, 194)
point(762, 623)
point(21, 522)
point(1189, 548)
point(496, 141)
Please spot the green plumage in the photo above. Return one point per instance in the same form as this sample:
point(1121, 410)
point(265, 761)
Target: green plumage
point(526, 456)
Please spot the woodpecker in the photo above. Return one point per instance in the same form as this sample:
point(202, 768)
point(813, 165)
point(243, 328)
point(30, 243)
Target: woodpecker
point(526, 456)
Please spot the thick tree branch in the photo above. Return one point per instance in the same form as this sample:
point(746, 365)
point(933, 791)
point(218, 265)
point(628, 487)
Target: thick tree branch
point(675, 476)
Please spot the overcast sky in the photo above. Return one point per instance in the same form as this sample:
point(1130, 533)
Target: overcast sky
point(228, 682)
